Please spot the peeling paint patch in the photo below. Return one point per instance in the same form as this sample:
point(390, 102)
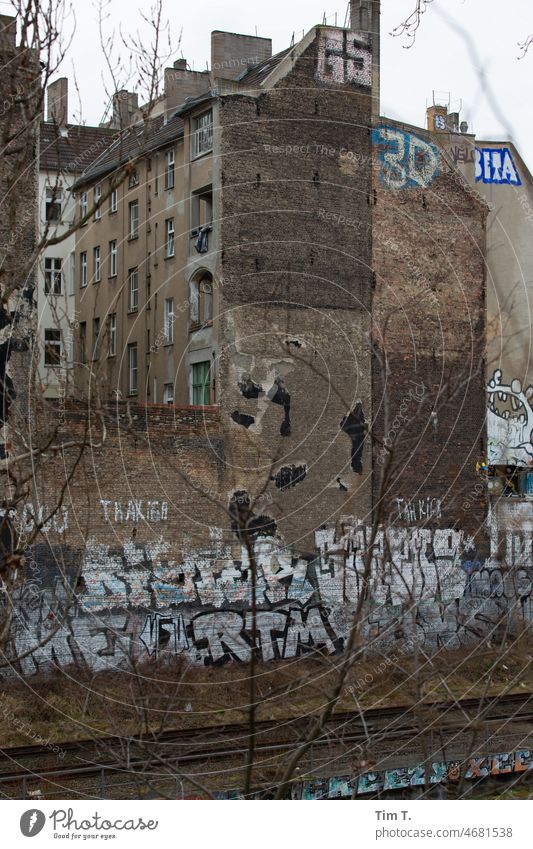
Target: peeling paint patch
point(278, 395)
point(289, 476)
point(249, 389)
point(242, 419)
point(243, 519)
point(355, 427)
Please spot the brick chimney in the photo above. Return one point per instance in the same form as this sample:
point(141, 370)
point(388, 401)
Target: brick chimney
point(365, 18)
point(125, 105)
point(231, 53)
point(8, 34)
point(57, 102)
point(181, 82)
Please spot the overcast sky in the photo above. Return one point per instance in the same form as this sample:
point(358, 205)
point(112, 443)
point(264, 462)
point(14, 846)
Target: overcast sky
point(485, 74)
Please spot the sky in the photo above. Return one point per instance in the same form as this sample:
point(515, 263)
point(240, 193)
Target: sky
point(466, 50)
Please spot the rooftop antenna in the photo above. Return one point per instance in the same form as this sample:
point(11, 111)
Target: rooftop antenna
point(256, 30)
point(292, 41)
point(347, 17)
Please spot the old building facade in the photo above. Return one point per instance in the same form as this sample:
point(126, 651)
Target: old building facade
point(338, 327)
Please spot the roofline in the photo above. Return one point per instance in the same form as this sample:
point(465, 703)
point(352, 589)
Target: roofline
point(90, 176)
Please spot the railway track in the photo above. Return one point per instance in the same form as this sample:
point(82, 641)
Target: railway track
point(185, 749)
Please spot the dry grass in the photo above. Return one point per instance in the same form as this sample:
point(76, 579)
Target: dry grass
point(71, 704)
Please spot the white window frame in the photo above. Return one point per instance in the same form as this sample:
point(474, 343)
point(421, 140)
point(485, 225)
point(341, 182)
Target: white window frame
point(83, 269)
point(113, 258)
point(97, 199)
point(169, 319)
point(53, 197)
point(55, 344)
point(134, 220)
point(170, 166)
point(113, 201)
point(133, 369)
point(97, 263)
point(133, 289)
point(84, 205)
point(168, 393)
point(202, 135)
point(169, 230)
point(72, 274)
point(97, 337)
point(112, 347)
point(53, 274)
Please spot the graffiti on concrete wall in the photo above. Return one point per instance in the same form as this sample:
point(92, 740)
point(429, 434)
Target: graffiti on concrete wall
point(145, 600)
point(403, 778)
point(509, 422)
point(343, 57)
point(407, 161)
point(496, 165)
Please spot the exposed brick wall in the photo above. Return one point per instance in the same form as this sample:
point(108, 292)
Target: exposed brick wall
point(296, 291)
point(429, 325)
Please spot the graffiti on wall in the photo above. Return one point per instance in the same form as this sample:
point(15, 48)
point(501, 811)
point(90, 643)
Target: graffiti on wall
point(145, 600)
point(403, 778)
point(407, 161)
point(509, 422)
point(496, 165)
point(343, 57)
point(419, 510)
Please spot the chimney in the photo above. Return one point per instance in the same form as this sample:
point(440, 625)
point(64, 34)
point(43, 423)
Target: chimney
point(181, 83)
point(125, 105)
point(57, 102)
point(365, 18)
point(232, 54)
point(8, 34)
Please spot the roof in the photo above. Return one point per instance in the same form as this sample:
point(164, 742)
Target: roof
point(139, 139)
point(255, 75)
point(74, 150)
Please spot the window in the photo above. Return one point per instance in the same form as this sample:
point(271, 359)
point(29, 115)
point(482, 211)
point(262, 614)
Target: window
point(168, 393)
point(133, 290)
point(54, 197)
point(201, 301)
point(96, 338)
point(202, 140)
point(82, 342)
point(52, 346)
point(83, 268)
point(113, 201)
point(202, 208)
point(169, 170)
point(200, 384)
point(72, 274)
point(133, 180)
point(53, 278)
point(169, 223)
point(97, 199)
point(113, 258)
point(112, 348)
point(97, 264)
point(169, 320)
point(134, 219)
point(132, 368)
point(84, 205)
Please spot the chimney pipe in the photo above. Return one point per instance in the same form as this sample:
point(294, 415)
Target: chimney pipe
point(365, 19)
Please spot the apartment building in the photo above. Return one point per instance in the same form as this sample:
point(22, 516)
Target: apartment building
point(496, 171)
point(146, 262)
point(65, 150)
